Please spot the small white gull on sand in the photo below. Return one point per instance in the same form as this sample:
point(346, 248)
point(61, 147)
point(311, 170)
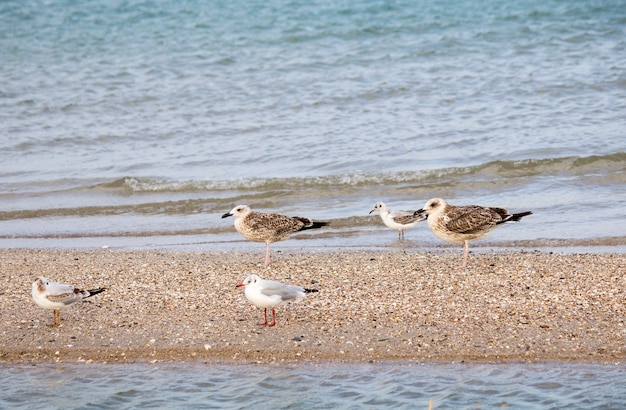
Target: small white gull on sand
point(58, 296)
point(268, 228)
point(400, 221)
point(462, 224)
point(269, 293)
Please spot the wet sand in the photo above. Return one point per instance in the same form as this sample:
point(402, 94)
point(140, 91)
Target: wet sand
point(371, 306)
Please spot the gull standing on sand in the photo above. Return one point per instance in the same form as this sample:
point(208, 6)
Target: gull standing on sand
point(58, 296)
point(462, 224)
point(400, 221)
point(268, 228)
point(269, 293)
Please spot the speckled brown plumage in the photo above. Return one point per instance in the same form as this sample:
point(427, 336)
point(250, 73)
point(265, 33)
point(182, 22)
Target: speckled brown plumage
point(462, 224)
point(268, 227)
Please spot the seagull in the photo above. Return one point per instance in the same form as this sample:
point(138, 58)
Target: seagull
point(58, 296)
point(462, 224)
point(269, 293)
point(399, 221)
point(268, 228)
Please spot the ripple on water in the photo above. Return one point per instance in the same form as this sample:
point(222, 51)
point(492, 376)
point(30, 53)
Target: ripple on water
point(332, 385)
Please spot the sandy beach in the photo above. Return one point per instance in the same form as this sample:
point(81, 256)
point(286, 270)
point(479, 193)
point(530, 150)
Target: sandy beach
point(371, 306)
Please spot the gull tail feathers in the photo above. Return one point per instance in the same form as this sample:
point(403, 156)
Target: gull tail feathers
point(516, 217)
point(309, 224)
point(93, 292)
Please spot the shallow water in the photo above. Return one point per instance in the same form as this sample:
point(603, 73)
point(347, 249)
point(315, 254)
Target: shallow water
point(137, 124)
point(316, 386)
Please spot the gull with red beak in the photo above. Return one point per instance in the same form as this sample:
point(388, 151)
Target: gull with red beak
point(270, 294)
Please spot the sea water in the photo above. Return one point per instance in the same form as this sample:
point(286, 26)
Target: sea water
point(315, 386)
point(137, 124)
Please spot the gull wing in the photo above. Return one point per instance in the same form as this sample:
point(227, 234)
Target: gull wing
point(406, 219)
point(471, 219)
point(285, 292)
point(61, 293)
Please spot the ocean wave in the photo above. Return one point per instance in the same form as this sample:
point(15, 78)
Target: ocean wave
point(611, 164)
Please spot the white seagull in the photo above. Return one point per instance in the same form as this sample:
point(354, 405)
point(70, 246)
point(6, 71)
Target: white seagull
point(58, 296)
point(400, 221)
point(269, 293)
point(268, 228)
point(462, 224)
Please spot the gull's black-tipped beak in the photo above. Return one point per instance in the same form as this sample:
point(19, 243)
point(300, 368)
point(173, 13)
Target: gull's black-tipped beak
point(372, 210)
point(226, 215)
point(419, 212)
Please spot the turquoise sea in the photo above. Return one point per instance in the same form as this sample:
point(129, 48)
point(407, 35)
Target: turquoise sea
point(137, 124)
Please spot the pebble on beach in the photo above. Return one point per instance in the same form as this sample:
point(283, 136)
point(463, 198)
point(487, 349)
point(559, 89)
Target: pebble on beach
point(371, 306)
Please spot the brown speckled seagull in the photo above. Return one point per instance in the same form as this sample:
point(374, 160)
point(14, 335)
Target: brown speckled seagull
point(268, 228)
point(462, 224)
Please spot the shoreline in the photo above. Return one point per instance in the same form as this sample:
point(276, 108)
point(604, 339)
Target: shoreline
point(378, 306)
